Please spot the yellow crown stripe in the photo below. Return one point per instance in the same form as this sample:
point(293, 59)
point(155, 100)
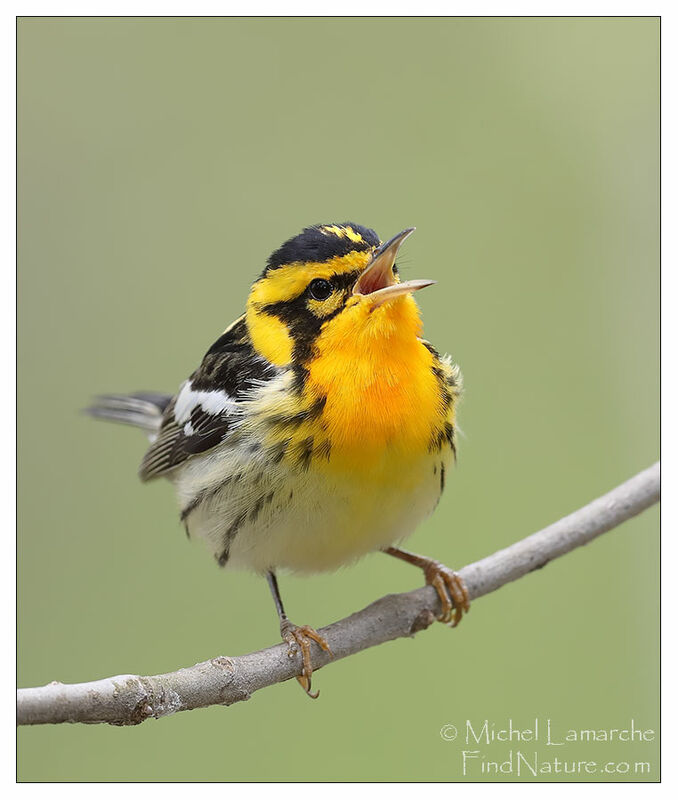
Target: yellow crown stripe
point(346, 232)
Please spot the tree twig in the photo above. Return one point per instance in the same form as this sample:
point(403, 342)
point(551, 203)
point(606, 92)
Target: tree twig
point(131, 699)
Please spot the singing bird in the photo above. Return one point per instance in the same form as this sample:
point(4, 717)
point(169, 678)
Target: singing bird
point(319, 427)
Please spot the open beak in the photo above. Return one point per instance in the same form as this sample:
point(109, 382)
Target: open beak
point(378, 282)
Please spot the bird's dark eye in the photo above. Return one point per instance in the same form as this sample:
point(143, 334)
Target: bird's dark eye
point(320, 289)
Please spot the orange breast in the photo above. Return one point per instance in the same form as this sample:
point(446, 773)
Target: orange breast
point(376, 375)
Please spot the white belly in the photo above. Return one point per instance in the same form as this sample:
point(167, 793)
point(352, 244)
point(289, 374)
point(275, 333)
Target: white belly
point(262, 516)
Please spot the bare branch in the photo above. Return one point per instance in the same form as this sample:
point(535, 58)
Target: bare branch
point(131, 699)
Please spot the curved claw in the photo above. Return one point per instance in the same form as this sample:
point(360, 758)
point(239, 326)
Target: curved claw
point(451, 590)
point(300, 636)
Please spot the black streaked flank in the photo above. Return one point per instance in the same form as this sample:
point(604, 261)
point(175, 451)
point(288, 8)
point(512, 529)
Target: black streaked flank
point(284, 421)
point(323, 450)
point(187, 510)
point(316, 408)
point(276, 452)
point(444, 376)
point(256, 508)
point(207, 494)
point(303, 452)
point(441, 435)
point(229, 536)
point(314, 244)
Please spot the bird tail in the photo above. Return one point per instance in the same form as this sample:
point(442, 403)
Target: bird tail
point(142, 410)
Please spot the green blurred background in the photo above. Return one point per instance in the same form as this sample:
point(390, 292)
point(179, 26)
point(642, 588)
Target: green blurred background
point(160, 162)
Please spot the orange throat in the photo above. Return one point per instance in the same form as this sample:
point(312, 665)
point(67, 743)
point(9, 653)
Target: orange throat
point(378, 380)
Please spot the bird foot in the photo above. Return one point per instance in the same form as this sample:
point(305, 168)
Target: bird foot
point(452, 591)
point(299, 638)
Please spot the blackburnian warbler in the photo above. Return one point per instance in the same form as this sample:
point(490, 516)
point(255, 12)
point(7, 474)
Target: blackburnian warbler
point(320, 425)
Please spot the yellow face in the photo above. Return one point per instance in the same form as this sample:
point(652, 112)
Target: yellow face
point(291, 303)
point(331, 307)
point(341, 282)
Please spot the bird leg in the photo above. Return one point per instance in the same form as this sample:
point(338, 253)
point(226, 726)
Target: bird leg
point(298, 637)
point(450, 586)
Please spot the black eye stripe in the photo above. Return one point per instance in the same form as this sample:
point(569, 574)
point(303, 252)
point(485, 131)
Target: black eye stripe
point(345, 280)
point(296, 314)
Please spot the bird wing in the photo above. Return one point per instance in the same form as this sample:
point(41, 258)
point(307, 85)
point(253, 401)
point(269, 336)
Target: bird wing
point(207, 406)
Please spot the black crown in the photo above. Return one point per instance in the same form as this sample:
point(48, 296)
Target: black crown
point(317, 243)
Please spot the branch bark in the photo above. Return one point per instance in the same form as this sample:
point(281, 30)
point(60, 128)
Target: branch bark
point(131, 699)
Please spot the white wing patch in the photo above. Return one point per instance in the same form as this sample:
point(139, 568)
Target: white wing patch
point(213, 402)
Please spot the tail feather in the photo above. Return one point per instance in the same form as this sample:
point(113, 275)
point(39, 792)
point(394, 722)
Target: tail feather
point(142, 410)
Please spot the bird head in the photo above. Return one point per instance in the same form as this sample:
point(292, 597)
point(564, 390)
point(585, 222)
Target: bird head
point(331, 281)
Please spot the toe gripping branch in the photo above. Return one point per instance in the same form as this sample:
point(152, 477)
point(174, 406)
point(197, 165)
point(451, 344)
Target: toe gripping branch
point(299, 638)
point(451, 589)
